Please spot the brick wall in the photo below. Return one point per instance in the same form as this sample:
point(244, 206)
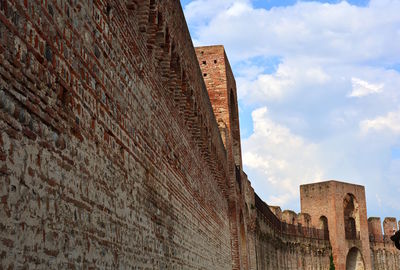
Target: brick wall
point(120, 147)
point(332, 200)
point(110, 154)
point(384, 254)
point(221, 88)
point(285, 246)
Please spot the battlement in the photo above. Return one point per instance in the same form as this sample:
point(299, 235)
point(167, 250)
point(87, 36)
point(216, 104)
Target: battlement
point(288, 216)
point(118, 150)
point(389, 224)
point(304, 219)
point(288, 222)
point(276, 210)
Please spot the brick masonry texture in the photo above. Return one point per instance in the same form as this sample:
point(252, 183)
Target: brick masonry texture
point(384, 254)
point(120, 149)
point(100, 167)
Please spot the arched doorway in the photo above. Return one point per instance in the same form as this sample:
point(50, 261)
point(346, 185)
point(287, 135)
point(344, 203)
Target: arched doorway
point(354, 260)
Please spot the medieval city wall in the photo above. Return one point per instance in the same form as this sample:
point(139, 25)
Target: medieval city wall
point(282, 245)
point(110, 155)
point(384, 255)
point(221, 86)
point(342, 208)
point(290, 246)
point(120, 148)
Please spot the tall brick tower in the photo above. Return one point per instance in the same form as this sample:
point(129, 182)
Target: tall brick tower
point(341, 208)
point(221, 87)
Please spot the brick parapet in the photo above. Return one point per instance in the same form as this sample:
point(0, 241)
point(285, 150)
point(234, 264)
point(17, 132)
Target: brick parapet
point(285, 246)
point(375, 229)
point(286, 226)
point(389, 226)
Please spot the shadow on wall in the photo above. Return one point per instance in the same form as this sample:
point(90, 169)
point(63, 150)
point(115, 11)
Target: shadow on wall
point(396, 239)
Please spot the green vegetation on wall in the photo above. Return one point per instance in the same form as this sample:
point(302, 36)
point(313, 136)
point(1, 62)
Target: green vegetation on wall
point(332, 265)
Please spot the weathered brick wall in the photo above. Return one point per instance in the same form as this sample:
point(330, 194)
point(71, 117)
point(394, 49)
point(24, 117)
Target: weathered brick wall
point(110, 154)
point(117, 151)
point(277, 248)
point(221, 87)
point(328, 200)
point(384, 255)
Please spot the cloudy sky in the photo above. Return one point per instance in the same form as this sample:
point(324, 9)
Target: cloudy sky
point(319, 92)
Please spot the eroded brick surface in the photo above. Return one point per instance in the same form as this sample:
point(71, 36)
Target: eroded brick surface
point(384, 254)
point(120, 149)
point(344, 207)
point(331, 200)
point(104, 163)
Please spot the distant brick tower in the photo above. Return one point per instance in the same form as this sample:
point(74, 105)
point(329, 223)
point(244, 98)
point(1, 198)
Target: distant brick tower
point(341, 208)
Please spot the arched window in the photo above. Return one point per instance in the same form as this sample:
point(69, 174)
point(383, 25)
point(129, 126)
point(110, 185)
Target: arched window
point(323, 225)
point(351, 217)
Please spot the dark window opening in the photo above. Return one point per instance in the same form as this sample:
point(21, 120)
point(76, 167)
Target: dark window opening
point(351, 217)
point(350, 227)
point(238, 178)
point(323, 225)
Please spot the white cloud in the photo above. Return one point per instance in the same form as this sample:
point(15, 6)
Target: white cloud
point(363, 88)
point(379, 200)
point(290, 77)
point(330, 32)
point(317, 43)
point(266, 86)
point(282, 159)
point(321, 55)
point(199, 12)
point(389, 122)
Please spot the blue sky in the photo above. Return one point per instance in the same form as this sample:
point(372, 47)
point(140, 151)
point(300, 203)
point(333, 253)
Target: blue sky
point(318, 85)
point(268, 4)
